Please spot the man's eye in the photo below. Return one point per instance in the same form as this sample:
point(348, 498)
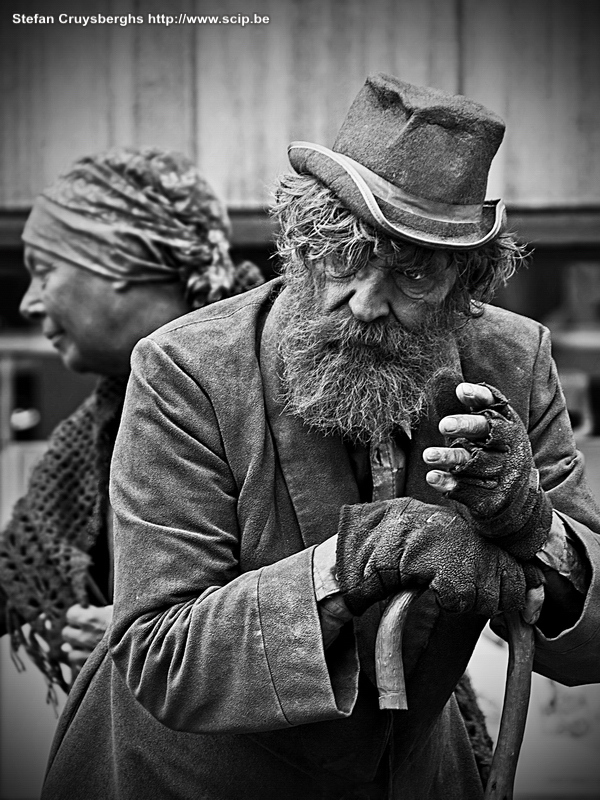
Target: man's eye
point(339, 271)
point(415, 283)
point(413, 275)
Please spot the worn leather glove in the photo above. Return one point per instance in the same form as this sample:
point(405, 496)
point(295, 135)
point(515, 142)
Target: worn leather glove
point(500, 486)
point(399, 544)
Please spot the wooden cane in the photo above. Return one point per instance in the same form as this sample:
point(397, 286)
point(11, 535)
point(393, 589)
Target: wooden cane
point(521, 647)
point(389, 669)
point(392, 688)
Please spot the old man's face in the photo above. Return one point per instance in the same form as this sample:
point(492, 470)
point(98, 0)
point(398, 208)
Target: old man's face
point(380, 293)
point(360, 350)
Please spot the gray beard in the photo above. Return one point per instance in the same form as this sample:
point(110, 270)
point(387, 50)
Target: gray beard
point(354, 379)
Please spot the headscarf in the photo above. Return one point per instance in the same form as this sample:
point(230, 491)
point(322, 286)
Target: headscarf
point(140, 215)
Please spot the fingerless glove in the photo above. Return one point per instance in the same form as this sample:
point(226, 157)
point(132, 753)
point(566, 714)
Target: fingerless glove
point(499, 484)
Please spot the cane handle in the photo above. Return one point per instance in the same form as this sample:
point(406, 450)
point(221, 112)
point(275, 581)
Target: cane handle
point(389, 669)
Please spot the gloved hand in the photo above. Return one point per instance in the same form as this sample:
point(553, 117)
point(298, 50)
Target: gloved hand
point(499, 483)
point(399, 544)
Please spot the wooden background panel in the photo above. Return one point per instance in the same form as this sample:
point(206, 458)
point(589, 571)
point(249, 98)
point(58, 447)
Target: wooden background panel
point(233, 97)
point(56, 102)
point(243, 87)
point(339, 43)
point(21, 57)
point(164, 79)
point(122, 48)
point(71, 90)
point(261, 87)
point(537, 63)
point(413, 40)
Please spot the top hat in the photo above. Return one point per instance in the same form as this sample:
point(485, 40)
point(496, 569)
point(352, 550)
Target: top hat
point(413, 162)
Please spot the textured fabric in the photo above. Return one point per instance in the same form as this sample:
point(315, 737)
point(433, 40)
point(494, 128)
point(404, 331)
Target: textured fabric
point(213, 681)
point(475, 724)
point(140, 215)
point(559, 554)
point(44, 550)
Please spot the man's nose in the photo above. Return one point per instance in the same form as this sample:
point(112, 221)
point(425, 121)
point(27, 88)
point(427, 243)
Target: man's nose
point(371, 294)
point(32, 306)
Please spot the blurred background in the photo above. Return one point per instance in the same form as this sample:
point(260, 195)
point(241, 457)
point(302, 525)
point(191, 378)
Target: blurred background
point(232, 97)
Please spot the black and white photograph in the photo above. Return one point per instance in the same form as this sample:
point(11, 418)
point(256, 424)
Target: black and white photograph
point(300, 400)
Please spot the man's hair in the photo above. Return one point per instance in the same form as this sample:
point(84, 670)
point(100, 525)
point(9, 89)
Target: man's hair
point(314, 226)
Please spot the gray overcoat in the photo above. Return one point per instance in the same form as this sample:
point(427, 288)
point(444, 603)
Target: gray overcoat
point(213, 683)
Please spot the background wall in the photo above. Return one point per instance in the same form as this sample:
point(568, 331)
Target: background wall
point(233, 97)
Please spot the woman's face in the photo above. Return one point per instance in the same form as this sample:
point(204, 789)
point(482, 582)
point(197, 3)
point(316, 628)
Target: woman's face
point(87, 318)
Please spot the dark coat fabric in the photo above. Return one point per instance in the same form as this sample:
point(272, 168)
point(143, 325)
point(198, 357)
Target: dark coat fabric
point(213, 682)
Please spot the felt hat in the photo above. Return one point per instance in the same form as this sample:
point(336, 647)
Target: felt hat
point(413, 162)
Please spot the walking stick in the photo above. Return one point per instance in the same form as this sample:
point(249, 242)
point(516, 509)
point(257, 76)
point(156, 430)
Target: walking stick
point(392, 690)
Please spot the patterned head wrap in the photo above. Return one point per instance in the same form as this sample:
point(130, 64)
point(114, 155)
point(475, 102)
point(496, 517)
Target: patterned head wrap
point(140, 216)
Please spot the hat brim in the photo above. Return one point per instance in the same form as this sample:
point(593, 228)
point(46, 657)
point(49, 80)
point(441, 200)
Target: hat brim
point(427, 229)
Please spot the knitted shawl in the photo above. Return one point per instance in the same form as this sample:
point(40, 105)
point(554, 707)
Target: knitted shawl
point(44, 550)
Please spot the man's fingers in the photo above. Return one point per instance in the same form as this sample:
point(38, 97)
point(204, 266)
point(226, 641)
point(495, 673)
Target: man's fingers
point(441, 481)
point(445, 457)
point(468, 426)
point(474, 395)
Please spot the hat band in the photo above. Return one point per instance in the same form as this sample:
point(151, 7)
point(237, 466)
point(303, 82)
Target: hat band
point(398, 198)
point(368, 195)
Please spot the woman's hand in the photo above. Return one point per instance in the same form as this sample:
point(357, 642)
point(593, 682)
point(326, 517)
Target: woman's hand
point(85, 628)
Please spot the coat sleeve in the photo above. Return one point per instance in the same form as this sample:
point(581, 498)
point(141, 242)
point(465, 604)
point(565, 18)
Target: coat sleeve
point(202, 646)
point(573, 657)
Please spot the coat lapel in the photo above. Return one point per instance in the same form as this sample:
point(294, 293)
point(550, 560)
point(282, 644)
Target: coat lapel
point(316, 468)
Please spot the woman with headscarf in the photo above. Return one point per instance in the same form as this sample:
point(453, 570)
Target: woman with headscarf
point(120, 244)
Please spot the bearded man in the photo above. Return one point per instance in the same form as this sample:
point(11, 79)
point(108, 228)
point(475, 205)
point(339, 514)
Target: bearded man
point(290, 459)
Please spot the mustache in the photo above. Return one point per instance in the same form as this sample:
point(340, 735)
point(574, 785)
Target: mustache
point(343, 325)
point(382, 339)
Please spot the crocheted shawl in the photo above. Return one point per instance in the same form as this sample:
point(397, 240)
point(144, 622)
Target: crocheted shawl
point(44, 550)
